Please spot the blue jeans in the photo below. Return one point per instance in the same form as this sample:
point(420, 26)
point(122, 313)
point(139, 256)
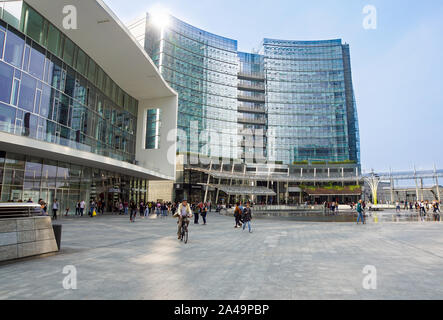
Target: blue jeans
point(249, 225)
point(360, 217)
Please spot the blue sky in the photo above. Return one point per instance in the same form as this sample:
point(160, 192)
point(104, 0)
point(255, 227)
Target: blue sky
point(397, 68)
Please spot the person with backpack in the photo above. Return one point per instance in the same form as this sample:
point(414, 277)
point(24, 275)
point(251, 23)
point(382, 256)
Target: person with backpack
point(360, 212)
point(247, 217)
point(237, 215)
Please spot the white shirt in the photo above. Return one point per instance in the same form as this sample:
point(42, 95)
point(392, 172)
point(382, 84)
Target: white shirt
point(184, 211)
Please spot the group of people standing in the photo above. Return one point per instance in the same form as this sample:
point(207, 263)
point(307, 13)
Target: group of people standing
point(145, 209)
point(422, 208)
point(200, 209)
point(332, 207)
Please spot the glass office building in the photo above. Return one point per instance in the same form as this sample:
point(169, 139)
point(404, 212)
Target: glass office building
point(310, 106)
point(202, 68)
point(54, 95)
point(295, 98)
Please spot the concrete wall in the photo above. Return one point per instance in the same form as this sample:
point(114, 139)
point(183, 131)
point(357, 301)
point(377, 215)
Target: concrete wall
point(24, 237)
point(160, 190)
point(163, 159)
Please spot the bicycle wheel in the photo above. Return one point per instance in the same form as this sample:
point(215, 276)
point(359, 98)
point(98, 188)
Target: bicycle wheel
point(185, 236)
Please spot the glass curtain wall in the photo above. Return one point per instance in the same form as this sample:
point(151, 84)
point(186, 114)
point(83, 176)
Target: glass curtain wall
point(27, 177)
point(51, 90)
point(306, 101)
point(202, 68)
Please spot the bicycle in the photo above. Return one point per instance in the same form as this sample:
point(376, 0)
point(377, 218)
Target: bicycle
point(184, 232)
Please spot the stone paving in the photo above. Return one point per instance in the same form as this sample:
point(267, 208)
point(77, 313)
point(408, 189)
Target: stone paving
point(116, 259)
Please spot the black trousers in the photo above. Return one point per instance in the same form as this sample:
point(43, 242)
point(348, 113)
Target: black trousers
point(54, 214)
point(196, 217)
point(204, 217)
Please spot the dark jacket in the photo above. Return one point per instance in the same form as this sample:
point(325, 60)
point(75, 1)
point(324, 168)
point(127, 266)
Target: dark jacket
point(247, 214)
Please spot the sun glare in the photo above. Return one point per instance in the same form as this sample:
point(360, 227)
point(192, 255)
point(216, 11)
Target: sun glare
point(160, 17)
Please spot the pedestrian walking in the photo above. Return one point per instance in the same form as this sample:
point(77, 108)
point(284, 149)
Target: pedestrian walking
point(237, 215)
point(55, 207)
point(141, 208)
point(204, 212)
point(360, 212)
point(397, 207)
point(133, 208)
point(77, 208)
point(196, 215)
point(92, 207)
point(422, 211)
point(82, 207)
point(247, 217)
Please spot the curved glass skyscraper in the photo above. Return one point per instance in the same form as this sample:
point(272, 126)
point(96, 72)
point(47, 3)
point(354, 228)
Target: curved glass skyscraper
point(290, 103)
point(310, 106)
point(202, 68)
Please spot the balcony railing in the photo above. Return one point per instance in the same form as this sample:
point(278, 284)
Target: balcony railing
point(251, 109)
point(254, 121)
point(257, 88)
point(251, 99)
point(254, 76)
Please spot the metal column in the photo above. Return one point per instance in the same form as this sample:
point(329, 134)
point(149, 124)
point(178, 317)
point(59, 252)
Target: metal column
point(392, 186)
point(230, 184)
point(219, 183)
point(416, 184)
point(436, 183)
point(207, 183)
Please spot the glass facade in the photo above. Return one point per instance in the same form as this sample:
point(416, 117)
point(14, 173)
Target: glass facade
point(296, 97)
point(28, 177)
point(153, 124)
point(51, 90)
point(308, 112)
point(202, 68)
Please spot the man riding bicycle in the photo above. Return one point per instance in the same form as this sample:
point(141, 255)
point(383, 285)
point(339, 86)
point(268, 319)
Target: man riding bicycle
point(183, 214)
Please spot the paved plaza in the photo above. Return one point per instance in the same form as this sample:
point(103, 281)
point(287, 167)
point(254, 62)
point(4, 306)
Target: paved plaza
point(116, 259)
